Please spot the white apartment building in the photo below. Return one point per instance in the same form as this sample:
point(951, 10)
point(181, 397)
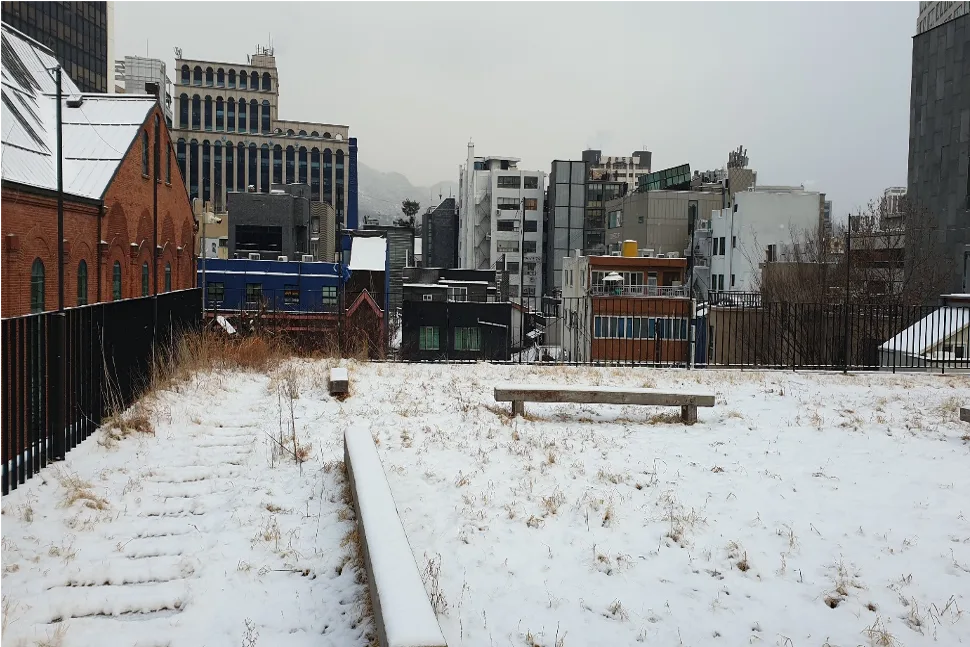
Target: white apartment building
point(135, 71)
point(500, 216)
point(762, 225)
point(932, 14)
point(618, 168)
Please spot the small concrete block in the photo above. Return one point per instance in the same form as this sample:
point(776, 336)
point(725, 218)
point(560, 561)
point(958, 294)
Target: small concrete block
point(339, 381)
point(965, 414)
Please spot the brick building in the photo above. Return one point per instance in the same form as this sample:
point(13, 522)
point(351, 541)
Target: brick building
point(109, 202)
point(626, 308)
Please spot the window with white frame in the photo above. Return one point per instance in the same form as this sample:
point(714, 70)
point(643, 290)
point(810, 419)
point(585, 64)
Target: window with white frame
point(458, 293)
point(507, 204)
point(428, 338)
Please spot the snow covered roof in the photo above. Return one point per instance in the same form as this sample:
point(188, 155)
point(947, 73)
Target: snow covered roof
point(417, 246)
point(368, 254)
point(96, 135)
point(930, 331)
point(424, 285)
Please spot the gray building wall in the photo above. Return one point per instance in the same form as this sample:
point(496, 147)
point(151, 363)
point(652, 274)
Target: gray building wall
point(566, 217)
point(659, 220)
point(939, 137)
point(439, 233)
point(289, 211)
point(400, 242)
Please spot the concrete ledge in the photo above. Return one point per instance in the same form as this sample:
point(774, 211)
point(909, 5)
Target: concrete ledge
point(965, 414)
point(402, 611)
point(339, 381)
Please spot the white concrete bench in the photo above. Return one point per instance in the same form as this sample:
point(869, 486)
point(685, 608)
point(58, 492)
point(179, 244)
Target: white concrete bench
point(339, 381)
point(519, 394)
point(402, 610)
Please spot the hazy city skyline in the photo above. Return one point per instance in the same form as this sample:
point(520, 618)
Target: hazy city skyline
point(817, 92)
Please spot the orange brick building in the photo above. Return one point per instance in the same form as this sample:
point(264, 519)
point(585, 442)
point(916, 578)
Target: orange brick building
point(626, 309)
point(109, 203)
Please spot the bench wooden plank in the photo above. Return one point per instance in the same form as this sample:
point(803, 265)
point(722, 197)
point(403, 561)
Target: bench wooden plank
point(601, 395)
point(403, 614)
point(519, 394)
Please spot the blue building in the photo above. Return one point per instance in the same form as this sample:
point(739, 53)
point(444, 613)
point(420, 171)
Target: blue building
point(283, 286)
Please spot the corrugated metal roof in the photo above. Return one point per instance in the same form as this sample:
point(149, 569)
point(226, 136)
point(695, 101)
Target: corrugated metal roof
point(96, 135)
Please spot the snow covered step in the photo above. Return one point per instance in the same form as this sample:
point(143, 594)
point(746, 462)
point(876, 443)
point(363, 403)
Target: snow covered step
point(402, 611)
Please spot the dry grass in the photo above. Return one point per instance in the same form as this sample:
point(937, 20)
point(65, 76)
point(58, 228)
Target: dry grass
point(432, 582)
point(879, 636)
point(76, 489)
point(54, 638)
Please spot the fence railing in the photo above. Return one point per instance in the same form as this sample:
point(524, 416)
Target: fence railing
point(600, 290)
point(734, 331)
point(63, 373)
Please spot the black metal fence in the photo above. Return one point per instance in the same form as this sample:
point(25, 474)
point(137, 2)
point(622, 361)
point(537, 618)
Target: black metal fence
point(740, 331)
point(63, 373)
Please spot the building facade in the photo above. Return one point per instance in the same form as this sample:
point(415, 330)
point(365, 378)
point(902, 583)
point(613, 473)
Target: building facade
point(272, 226)
point(761, 227)
point(80, 34)
point(453, 314)
point(628, 170)
point(626, 309)
point(137, 74)
point(112, 219)
point(939, 139)
point(933, 14)
point(439, 235)
point(500, 220)
point(229, 136)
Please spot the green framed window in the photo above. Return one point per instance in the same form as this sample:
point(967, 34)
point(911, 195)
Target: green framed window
point(144, 279)
point(116, 281)
point(215, 292)
point(468, 339)
point(330, 295)
point(428, 338)
point(82, 283)
point(37, 286)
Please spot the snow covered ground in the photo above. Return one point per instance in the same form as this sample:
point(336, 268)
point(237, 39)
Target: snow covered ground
point(199, 535)
point(804, 509)
point(612, 525)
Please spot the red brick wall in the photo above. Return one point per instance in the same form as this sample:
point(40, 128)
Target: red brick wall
point(127, 220)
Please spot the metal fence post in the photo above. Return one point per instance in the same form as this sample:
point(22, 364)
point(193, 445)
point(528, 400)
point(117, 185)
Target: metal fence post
point(55, 431)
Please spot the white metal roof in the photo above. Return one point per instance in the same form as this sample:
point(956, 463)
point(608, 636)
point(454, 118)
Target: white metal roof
point(96, 135)
point(368, 254)
point(930, 331)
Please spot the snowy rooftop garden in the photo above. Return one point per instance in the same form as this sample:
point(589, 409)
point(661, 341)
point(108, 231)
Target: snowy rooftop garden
point(804, 509)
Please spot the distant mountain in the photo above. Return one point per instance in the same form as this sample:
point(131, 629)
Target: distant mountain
point(380, 194)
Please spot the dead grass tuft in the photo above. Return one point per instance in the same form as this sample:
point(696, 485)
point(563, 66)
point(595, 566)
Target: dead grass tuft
point(76, 489)
point(879, 636)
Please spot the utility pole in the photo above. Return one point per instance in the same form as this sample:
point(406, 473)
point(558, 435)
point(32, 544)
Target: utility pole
point(848, 262)
point(155, 178)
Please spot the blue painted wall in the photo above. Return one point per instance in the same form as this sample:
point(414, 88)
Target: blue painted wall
point(274, 277)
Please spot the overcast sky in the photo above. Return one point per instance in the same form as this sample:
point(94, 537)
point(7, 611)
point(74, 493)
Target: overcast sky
point(817, 92)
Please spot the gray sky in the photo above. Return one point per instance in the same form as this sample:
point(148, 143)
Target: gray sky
point(817, 92)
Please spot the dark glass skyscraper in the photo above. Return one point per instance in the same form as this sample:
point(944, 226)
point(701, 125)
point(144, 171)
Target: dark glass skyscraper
point(77, 32)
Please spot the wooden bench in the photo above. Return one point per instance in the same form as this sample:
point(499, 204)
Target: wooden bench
point(519, 394)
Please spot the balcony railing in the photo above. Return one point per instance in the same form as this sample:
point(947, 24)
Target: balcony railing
point(646, 291)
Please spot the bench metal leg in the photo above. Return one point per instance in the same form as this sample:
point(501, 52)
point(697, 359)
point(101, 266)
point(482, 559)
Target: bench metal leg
point(518, 408)
point(688, 414)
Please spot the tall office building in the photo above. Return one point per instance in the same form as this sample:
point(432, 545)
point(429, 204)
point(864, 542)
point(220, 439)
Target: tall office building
point(500, 217)
point(932, 14)
point(137, 74)
point(939, 139)
point(81, 35)
point(228, 136)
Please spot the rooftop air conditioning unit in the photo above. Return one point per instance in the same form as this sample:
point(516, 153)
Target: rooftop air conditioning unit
point(649, 253)
point(307, 258)
point(673, 254)
point(282, 258)
point(615, 253)
point(254, 256)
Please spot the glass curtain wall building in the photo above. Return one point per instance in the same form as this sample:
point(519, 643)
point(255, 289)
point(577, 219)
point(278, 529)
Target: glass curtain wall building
point(79, 34)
